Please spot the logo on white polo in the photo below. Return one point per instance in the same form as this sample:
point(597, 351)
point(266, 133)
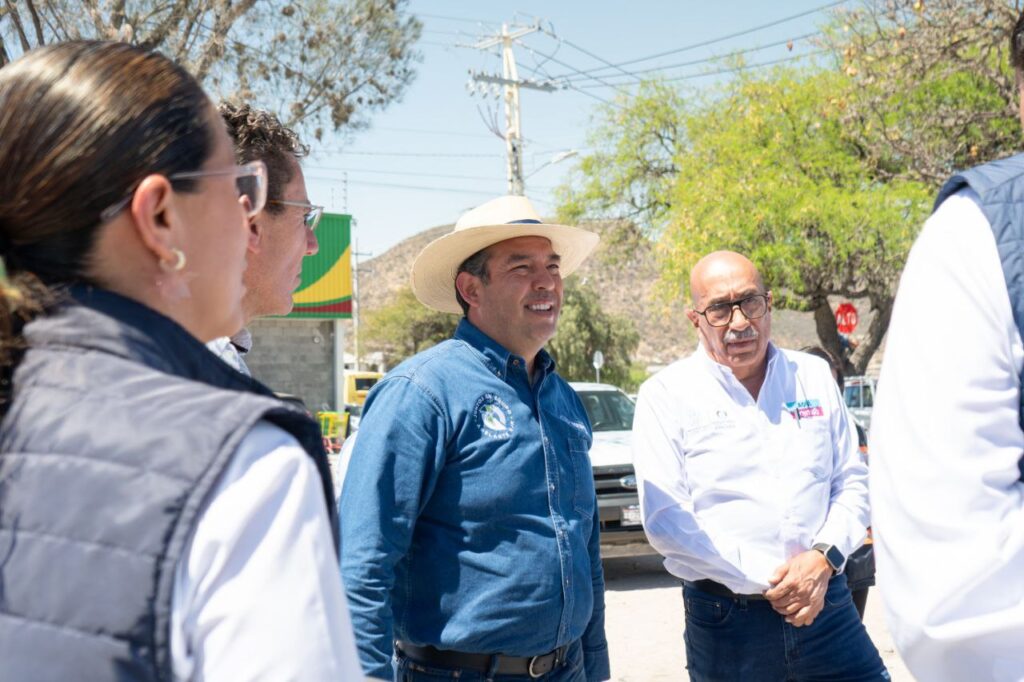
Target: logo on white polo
point(493, 416)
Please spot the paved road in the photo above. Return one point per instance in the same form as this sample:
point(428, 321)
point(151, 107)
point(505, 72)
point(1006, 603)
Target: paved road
point(644, 620)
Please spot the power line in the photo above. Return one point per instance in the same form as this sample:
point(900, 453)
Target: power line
point(705, 60)
point(734, 69)
point(713, 40)
point(476, 178)
point(421, 188)
point(465, 20)
point(432, 155)
point(431, 43)
point(589, 53)
point(570, 86)
point(552, 58)
point(431, 174)
point(457, 34)
point(421, 131)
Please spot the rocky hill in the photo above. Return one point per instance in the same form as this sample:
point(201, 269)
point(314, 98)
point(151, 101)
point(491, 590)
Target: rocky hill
point(626, 282)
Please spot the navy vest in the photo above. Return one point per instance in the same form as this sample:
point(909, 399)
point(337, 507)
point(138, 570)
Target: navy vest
point(1000, 186)
point(119, 427)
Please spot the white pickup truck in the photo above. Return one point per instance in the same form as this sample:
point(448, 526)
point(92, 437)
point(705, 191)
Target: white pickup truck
point(611, 417)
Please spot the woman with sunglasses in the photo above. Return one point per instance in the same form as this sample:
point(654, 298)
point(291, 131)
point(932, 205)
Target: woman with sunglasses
point(161, 516)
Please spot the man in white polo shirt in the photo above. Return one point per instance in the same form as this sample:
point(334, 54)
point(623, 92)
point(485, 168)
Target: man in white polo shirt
point(752, 488)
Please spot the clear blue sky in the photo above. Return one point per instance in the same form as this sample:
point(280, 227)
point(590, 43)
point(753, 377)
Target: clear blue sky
point(430, 157)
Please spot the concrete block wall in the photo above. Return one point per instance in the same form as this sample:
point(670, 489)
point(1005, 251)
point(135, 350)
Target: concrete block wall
point(295, 356)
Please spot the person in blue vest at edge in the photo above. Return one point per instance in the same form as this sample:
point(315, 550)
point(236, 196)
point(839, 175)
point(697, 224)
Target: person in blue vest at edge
point(469, 539)
point(946, 437)
point(162, 516)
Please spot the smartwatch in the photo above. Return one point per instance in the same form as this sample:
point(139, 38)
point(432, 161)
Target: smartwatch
point(832, 555)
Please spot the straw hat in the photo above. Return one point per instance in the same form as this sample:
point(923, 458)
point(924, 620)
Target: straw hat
point(507, 217)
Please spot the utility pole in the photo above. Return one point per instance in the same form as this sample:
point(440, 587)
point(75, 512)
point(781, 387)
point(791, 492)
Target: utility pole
point(356, 253)
point(511, 83)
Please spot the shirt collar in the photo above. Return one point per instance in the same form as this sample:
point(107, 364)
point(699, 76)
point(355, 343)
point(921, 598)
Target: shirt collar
point(242, 341)
point(771, 356)
point(497, 358)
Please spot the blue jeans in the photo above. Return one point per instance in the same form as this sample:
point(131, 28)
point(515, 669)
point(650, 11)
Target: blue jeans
point(407, 670)
point(733, 639)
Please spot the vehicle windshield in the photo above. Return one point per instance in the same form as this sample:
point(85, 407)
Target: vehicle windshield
point(365, 383)
point(608, 410)
point(852, 396)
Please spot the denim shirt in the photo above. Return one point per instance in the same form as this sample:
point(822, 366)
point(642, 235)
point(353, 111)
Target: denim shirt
point(468, 511)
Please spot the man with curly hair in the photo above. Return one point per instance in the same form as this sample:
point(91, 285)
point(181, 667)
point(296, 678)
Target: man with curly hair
point(281, 235)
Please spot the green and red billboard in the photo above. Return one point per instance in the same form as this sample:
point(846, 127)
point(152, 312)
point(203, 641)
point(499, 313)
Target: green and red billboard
point(326, 288)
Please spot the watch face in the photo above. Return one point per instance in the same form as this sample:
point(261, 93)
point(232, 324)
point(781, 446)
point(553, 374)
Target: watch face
point(835, 557)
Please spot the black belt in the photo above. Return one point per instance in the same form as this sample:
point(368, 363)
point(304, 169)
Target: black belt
point(533, 666)
point(720, 590)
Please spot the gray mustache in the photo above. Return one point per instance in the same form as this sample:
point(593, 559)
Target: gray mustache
point(747, 334)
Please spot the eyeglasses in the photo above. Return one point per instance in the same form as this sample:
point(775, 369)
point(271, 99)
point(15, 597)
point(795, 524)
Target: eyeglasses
point(251, 180)
point(311, 218)
point(720, 314)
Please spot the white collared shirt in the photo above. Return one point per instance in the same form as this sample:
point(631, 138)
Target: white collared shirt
point(945, 443)
point(258, 594)
point(232, 349)
point(731, 488)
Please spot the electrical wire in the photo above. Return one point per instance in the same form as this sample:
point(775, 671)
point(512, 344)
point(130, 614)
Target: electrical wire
point(335, 169)
point(432, 155)
point(589, 54)
point(705, 60)
point(734, 69)
point(421, 131)
point(713, 41)
point(421, 188)
point(537, 72)
point(466, 20)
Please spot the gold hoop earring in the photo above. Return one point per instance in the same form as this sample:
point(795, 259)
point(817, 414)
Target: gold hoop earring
point(179, 262)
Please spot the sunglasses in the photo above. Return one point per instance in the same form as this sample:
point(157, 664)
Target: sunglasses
point(310, 218)
point(250, 179)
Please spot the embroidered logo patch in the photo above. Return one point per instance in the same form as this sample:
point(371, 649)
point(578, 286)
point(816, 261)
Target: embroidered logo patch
point(493, 416)
point(804, 409)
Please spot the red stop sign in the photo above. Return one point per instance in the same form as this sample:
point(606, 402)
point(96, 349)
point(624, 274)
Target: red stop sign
point(846, 318)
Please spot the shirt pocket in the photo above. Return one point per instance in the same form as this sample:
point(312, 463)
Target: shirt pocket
point(809, 450)
point(584, 498)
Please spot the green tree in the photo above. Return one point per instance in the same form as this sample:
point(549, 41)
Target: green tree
point(933, 89)
point(770, 173)
point(633, 167)
point(404, 327)
point(316, 63)
point(584, 327)
point(823, 176)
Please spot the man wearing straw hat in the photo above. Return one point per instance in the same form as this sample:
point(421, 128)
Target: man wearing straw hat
point(469, 532)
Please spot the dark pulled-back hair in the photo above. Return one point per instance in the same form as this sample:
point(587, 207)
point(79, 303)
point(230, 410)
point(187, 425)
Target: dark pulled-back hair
point(81, 124)
point(1017, 46)
point(260, 136)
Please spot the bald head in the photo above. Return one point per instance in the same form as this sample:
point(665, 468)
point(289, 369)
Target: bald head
point(718, 267)
point(725, 283)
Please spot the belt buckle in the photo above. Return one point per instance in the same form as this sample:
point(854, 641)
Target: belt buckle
point(529, 669)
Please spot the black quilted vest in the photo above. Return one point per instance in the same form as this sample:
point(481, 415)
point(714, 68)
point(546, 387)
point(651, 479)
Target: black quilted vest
point(120, 425)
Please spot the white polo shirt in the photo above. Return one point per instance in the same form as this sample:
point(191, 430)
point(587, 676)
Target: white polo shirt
point(731, 488)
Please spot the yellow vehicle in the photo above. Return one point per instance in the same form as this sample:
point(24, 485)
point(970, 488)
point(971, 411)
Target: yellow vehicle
point(358, 384)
